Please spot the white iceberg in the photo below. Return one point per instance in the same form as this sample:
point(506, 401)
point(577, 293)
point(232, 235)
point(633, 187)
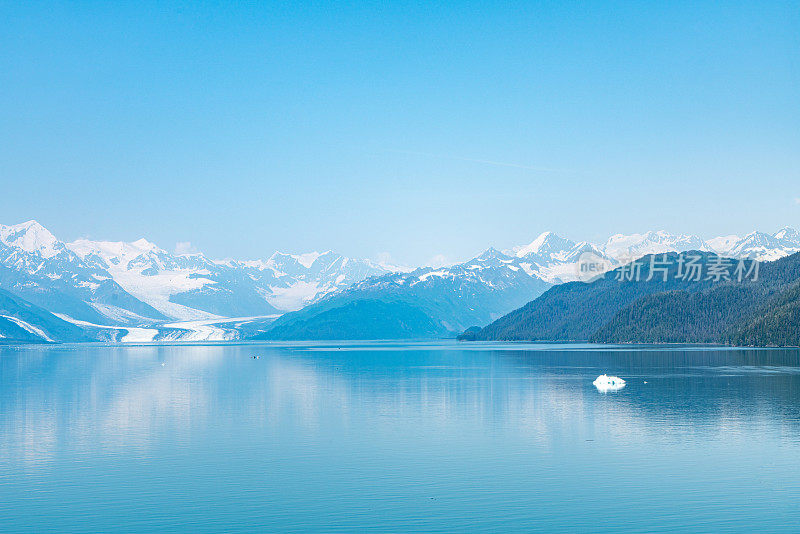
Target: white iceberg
point(606, 383)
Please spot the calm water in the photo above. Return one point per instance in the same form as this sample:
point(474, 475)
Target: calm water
point(397, 437)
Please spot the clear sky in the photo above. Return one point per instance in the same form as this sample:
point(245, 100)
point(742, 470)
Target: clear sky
point(401, 128)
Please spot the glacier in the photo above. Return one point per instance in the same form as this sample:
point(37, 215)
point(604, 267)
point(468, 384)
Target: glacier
point(136, 291)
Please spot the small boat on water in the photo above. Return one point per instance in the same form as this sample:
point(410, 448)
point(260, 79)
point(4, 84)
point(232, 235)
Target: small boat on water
point(608, 383)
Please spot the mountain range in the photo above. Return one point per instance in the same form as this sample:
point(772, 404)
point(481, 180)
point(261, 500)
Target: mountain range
point(136, 291)
point(423, 303)
point(665, 306)
point(193, 287)
point(431, 302)
point(118, 284)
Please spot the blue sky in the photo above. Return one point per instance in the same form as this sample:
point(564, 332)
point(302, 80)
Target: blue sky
point(405, 128)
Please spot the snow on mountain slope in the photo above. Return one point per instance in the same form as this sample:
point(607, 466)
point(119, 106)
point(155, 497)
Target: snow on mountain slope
point(626, 248)
point(31, 237)
point(137, 288)
point(755, 245)
point(308, 259)
point(556, 259)
point(766, 247)
point(22, 321)
point(723, 244)
point(546, 247)
point(42, 270)
point(291, 281)
point(191, 287)
point(36, 331)
point(422, 303)
point(149, 273)
point(296, 294)
point(789, 238)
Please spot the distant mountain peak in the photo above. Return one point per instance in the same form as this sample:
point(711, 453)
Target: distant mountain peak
point(787, 233)
point(31, 237)
point(490, 253)
point(760, 238)
point(723, 244)
point(307, 259)
point(32, 224)
point(765, 247)
point(93, 275)
point(144, 244)
point(629, 247)
point(545, 244)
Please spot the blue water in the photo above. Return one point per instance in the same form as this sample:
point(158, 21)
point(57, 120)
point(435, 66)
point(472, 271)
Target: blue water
point(398, 437)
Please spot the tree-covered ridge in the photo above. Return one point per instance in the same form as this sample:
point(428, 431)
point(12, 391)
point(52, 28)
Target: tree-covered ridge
point(661, 305)
point(777, 324)
point(366, 319)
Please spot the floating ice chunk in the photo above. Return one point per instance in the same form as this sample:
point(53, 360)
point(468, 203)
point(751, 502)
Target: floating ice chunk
point(606, 383)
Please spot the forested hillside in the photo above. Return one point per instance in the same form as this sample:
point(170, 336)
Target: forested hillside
point(756, 305)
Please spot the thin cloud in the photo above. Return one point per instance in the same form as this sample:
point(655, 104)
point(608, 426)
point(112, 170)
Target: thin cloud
point(481, 161)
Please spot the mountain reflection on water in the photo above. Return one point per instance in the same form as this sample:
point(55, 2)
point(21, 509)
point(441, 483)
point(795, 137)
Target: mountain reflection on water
point(397, 436)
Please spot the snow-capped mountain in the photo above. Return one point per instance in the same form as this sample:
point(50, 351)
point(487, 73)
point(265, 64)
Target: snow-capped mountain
point(41, 269)
point(31, 237)
point(193, 287)
point(138, 283)
point(304, 278)
point(426, 302)
point(492, 270)
point(152, 274)
point(788, 236)
point(723, 244)
point(138, 291)
point(545, 249)
point(625, 248)
point(555, 259)
point(765, 247)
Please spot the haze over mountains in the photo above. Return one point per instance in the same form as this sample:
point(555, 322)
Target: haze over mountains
point(140, 292)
